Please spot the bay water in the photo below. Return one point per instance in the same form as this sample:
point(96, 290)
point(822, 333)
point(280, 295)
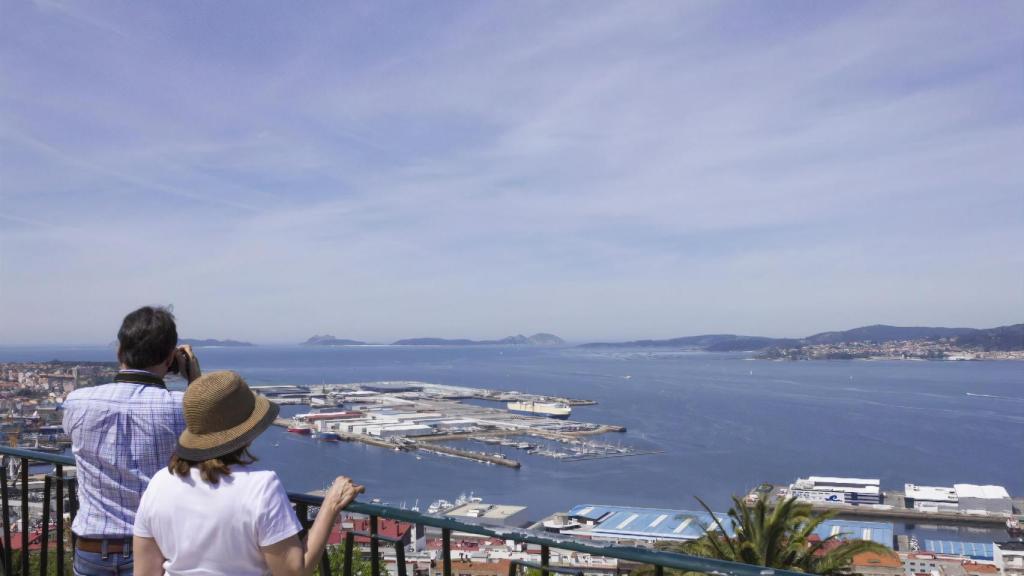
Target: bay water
point(722, 423)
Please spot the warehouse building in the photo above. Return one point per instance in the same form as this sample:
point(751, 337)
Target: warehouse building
point(983, 499)
point(618, 523)
point(931, 498)
point(835, 490)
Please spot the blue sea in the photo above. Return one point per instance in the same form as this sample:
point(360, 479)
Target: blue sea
point(723, 423)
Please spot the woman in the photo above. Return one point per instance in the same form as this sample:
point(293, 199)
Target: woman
point(210, 511)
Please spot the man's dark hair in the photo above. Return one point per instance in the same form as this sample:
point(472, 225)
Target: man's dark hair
point(147, 337)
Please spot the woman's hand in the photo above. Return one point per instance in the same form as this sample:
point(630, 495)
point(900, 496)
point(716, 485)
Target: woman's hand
point(341, 494)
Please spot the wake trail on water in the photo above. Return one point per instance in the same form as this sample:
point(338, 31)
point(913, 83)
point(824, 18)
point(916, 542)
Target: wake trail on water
point(1010, 398)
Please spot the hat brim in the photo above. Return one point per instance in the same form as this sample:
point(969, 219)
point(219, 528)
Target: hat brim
point(199, 447)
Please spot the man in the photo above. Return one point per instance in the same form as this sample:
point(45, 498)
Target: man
point(122, 433)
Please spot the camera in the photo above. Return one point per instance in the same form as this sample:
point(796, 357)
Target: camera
point(176, 367)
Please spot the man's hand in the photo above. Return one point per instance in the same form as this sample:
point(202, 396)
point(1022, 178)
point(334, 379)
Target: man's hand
point(188, 364)
point(341, 494)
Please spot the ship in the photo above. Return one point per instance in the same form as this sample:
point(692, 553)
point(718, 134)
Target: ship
point(1013, 528)
point(549, 409)
point(299, 427)
point(329, 436)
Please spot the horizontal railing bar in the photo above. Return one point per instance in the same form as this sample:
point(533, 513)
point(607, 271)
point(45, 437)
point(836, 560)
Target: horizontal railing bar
point(383, 537)
point(549, 568)
point(38, 456)
point(561, 542)
point(639, 555)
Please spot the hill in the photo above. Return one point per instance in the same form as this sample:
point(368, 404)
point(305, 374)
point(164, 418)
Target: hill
point(884, 333)
point(329, 340)
point(710, 342)
point(209, 342)
point(999, 338)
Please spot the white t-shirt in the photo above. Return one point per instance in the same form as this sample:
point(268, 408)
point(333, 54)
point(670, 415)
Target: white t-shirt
point(203, 528)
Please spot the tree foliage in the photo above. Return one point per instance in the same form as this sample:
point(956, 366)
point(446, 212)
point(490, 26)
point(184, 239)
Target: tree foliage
point(778, 537)
point(360, 565)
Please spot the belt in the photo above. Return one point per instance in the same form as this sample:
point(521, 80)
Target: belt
point(114, 545)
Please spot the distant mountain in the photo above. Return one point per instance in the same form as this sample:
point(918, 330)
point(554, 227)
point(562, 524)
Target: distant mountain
point(883, 333)
point(199, 343)
point(1000, 338)
point(329, 340)
point(702, 342)
point(434, 342)
point(539, 339)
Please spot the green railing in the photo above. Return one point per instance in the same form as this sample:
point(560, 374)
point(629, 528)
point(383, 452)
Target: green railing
point(57, 485)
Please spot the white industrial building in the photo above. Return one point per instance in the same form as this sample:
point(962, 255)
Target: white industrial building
point(931, 498)
point(393, 430)
point(1009, 558)
point(835, 490)
point(983, 499)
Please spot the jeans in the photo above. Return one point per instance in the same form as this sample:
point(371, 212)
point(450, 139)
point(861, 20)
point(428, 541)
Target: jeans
point(93, 564)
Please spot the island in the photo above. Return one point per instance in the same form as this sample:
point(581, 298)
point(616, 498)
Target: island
point(210, 342)
point(539, 339)
point(330, 340)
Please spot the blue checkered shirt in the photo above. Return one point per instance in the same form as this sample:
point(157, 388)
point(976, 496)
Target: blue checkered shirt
point(121, 435)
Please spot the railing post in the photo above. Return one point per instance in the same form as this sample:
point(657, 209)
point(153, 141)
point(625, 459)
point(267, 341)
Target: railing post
point(346, 563)
point(60, 519)
point(325, 563)
point(446, 550)
point(302, 511)
point(513, 568)
point(7, 515)
point(400, 556)
point(73, 504)
point(24, 516)
point(545, 557)
point(44, 538)
point(659, 570)
point(374, 548)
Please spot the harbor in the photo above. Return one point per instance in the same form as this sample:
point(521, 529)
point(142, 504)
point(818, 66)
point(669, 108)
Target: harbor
point(410, 416)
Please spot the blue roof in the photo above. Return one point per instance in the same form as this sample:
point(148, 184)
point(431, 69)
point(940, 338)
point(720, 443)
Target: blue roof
point(880, 532)
point(975, 550)
point(647, 523)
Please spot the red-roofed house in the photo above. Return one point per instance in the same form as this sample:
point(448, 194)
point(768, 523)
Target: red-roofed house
point(874, 564)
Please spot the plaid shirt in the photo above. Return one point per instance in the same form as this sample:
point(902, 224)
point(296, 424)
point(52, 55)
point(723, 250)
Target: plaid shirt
point(121, 435)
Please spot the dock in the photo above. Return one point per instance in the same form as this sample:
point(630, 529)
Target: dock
point(479, 457)
point(422, 444)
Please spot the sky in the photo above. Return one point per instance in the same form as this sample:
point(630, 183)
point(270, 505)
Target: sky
point(599, 170)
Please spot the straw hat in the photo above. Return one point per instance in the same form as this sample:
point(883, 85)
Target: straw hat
point(222, 415)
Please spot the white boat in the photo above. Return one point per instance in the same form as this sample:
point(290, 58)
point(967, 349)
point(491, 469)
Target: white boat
point(439, 506)
point(549, 409)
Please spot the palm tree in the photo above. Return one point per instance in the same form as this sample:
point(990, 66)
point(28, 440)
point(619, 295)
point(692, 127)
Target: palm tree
point(777, 537)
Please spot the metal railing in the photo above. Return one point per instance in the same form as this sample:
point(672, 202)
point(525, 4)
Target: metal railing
point(57, 485)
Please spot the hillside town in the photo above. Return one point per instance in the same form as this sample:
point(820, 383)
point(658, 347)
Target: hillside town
point(922, 349)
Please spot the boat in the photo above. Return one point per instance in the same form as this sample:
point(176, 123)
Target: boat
point(439, 506)
point(327, 436)
point(1013, 528)
point(299, 427)
point(549, 409)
